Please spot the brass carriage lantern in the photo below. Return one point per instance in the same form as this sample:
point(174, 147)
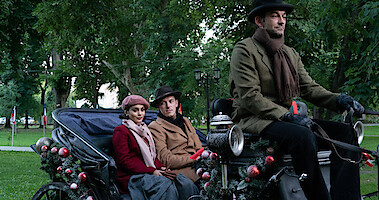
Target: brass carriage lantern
point(225, 142)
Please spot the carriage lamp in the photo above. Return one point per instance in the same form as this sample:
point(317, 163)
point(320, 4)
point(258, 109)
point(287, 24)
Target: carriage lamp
point(225, 142)
point(203, 78)
point(359, 130)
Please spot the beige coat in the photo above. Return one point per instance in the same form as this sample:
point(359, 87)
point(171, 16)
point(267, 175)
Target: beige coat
point(174, 147)
point(252, 86)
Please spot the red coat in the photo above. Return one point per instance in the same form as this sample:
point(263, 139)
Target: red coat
point(128, 157)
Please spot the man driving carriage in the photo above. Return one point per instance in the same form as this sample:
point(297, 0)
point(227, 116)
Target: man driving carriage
point(265, 76)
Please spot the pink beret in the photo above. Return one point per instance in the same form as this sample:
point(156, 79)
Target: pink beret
point(132, 100)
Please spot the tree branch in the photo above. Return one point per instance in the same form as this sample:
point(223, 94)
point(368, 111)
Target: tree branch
point(125, 77)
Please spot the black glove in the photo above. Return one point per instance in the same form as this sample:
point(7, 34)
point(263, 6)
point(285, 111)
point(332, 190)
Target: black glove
point(301, 120)
point(345, 102)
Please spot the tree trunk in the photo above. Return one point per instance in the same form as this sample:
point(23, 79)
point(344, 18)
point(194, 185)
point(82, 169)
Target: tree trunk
point(342, 66)
point(26, 120)
point(8, 122)
point(339, 78)
point(62, 84)
point(125, 77)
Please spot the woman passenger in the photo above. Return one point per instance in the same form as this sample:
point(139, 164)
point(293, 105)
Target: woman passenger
point(139, 172)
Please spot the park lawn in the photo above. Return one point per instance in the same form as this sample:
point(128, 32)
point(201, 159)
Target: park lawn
point(24, 137)
point(20, 176)
point(369, 179)
point(372, 130)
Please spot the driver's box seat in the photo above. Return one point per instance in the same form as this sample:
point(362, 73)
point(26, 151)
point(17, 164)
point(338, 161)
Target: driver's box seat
point(289, 186)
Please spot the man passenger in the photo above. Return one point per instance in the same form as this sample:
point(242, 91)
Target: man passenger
point(175, 137)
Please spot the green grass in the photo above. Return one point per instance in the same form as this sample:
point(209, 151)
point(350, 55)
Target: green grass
point(369, 179)
point(26, 137)
point(372, 130)
point(369, 176)
point(20, 176)
point(23, 137)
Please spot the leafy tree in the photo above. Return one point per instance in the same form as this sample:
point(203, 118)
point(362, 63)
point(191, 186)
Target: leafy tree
point(140, 45)
point(8, 96)
point(71, 32)
point(20, 44)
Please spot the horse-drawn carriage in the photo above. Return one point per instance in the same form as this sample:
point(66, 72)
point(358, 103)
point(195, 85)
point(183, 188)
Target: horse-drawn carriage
point(79, 160)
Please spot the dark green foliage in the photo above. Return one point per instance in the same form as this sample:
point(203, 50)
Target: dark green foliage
point(153, 43)
point(50, 163)
point(237, 184)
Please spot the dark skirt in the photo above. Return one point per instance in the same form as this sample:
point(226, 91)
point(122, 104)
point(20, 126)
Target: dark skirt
point(147, 186)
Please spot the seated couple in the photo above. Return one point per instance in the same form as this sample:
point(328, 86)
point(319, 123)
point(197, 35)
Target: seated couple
point(156, 164)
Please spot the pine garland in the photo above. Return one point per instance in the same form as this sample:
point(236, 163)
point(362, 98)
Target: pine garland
point(63, 167)
point(245, 185)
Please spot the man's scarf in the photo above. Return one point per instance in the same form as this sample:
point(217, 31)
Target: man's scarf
point(179, 121)
point(285, 75)
point(140, 133)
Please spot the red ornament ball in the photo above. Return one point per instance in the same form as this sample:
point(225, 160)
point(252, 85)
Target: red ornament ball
point(44, 148)
point(213, 156)
point(63, 152)
point(247, 179)
point(74, 186)
point(206, 176)
point(206, 185)
point(59, 169)
point(89, 198)
point(68, 171)
point(252, 171)
point(54, 150)
point(269, 160)
point(200, 171)
point(82, 177)
point(205, 154)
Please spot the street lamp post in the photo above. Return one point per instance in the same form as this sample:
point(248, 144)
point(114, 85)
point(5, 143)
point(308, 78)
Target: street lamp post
point(204, 78)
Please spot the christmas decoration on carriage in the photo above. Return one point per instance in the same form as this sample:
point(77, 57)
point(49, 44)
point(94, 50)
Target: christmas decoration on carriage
point(63, 167)
point(243, 179)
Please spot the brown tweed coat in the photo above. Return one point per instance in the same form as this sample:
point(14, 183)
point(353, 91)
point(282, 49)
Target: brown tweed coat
point(252, 86)
point(174, 147)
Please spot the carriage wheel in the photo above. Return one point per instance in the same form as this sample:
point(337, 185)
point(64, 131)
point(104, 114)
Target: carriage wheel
point(51, 191)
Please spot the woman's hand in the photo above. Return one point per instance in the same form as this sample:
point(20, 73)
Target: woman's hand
point(165, 169)
point(158, 172)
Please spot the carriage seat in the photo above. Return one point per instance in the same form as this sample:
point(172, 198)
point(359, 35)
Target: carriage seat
point(287, 184)
point(98, 127)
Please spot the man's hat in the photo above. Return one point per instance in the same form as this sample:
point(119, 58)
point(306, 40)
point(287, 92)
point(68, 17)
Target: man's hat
point(163, 92)
point(261, 6)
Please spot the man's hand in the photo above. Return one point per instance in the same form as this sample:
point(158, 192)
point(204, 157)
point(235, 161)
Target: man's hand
point(301, 120)
point(346, 102)
point(170, 175)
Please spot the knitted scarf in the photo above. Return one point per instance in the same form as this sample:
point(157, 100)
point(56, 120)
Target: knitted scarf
point(179, 121)
point(140, 132)
point(285, 75)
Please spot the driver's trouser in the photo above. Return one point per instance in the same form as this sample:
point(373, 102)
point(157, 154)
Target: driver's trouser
point(303, 145)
